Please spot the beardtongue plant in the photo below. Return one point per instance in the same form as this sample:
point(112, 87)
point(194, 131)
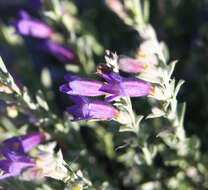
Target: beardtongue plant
point(45, 162)
point(156, 82)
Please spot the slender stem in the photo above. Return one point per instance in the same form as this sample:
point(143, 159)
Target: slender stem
point(131, 113)
point(139, 15)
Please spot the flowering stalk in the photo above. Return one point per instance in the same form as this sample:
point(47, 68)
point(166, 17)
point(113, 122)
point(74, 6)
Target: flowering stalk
point(151, 66)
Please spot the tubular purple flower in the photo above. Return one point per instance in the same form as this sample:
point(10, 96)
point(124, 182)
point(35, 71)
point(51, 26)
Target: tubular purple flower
point(81, 86)
point(29, 26)
point(22, 144)
point(119, 86)
point(61, 53)
point(14, 163)
point(130, 65)
point(91, 109)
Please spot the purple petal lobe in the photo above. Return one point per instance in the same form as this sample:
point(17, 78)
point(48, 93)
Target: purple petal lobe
point(31, 140)
point(4, 165)
point(61, 53)
point(17, 167)
point(101, 110)
point(23, 144)
point(121, 87)
point(82, 87)
point(92, 109)
point(86, 87)
point(135, 88)
point(14, 163)
point(112, 98)
point(23, 15)
point(70, 78)
point(79, 99)
point(76, 110)
point(29, 26)
point(65, 88)
point(111, 88)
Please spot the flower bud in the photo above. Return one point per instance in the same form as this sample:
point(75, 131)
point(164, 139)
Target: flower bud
point(130, 65)
point(61, 53)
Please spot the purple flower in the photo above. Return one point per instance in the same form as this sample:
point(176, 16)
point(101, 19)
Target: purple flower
point(81, 86)
point(22, 144)
point(28, 26)
point(14, 163)
point(130, 65)
point(119, 86)
point(61, 53)
point(91, 109)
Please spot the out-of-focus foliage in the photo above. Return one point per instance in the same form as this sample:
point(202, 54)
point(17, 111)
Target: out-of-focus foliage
point(157, 142)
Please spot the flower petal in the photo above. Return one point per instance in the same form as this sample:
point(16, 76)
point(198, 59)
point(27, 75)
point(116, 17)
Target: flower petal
point(65, 88)
point(23, 144)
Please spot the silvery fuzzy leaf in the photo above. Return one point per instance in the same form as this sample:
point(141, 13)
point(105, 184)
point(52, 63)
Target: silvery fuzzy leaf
point(50, 15)
point(41, 100)
point(182, 110)
point(28, 99)
point(2, 66)
point(172, 86)
point(178, 86)
point(156, 112)
point(164, 49)
point(170, 69)
point(7, 79)
point(164, 131)
point(126, 129)
point(152, 115)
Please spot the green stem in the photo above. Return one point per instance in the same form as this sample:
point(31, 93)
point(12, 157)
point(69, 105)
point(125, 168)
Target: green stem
point(146, 11)
point(138, 12)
